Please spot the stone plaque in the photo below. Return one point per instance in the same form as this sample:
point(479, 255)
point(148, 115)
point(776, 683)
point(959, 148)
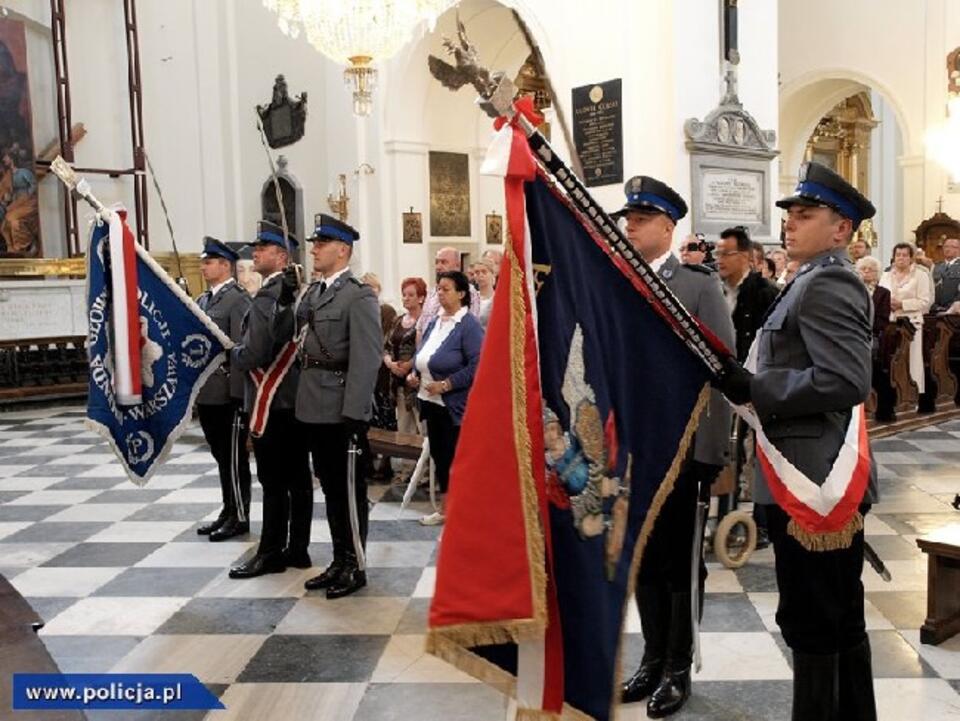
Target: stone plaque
point(734, 197)
point(449, 194)
point(598, 131)
point(42, 309)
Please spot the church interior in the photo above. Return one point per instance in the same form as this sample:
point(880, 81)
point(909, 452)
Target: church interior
point(203, 118)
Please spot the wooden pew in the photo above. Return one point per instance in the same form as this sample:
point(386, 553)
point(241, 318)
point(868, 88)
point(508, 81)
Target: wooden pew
point(896, 392)
point(941, 383)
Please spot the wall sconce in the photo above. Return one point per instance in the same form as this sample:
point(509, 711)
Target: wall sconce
point(339, 203)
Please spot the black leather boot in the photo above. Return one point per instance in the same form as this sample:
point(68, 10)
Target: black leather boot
point(653, 602)
point(330, 574)
point(231, 529)
point(815, 687)
point(350, 580)
point(856, 684)
point(674, 688)
point(259, 565)
point(208, 528)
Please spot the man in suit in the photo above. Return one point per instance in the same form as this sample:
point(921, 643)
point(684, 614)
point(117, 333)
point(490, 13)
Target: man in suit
point(267, 358)
point(812, 371)
point(748, 296)
point(664, 584)
point(220, 401)
point(340, 355)
point(946, 277)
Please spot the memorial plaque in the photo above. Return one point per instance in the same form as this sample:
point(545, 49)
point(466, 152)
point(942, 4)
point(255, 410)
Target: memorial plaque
point(42, 309)
point(449, 195)
point(598, 131)
point(731, 196)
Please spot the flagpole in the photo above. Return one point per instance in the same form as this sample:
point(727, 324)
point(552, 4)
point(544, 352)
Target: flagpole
point(706, 347)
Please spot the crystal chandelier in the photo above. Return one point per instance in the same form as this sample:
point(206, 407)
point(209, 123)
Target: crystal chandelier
point(356, 33)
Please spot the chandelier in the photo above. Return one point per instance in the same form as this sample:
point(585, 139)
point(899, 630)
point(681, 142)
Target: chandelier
point(357, 33)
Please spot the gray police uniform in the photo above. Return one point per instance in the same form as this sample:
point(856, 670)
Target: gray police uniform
point(219, 405)
point(813, 367)
point(340, 357)
point(283, 465)
point(946, 278)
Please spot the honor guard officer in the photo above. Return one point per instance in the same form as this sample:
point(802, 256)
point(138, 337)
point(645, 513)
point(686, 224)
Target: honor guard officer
point(266, 357)
point(338, 324)
point(220, 401)
point(812, 370)
point(665, 584)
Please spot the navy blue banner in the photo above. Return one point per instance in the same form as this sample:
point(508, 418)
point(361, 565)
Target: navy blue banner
point(88, 691)
point(178, 351)
point(619, 390)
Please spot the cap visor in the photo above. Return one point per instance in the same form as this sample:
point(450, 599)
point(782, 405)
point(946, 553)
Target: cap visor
point(797, 200)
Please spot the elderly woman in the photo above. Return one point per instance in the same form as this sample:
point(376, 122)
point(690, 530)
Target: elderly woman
point(444, 366)
point(400, 345)
point(485, 278)
point(909, 298)
point(869, 270)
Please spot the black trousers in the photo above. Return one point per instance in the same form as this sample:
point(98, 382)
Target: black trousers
point(225, 429)
point(442, 434)
point(283, 469)
point(821, 595)
point(328, 443)
point(666, 559)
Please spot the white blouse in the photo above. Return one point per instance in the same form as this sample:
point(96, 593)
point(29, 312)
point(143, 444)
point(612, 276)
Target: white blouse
point(912, 290)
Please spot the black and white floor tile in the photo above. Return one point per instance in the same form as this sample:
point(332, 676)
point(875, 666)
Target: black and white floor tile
point(124, 583)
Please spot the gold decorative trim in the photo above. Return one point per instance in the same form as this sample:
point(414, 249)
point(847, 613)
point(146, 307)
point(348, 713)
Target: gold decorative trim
point(43, 267)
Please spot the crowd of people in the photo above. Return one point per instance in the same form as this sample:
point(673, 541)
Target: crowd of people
point(316, 363)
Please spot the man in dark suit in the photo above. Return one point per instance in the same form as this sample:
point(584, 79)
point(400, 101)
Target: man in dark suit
point(748, 295)
point(220, 401)
point(267, 358)
point(946, 276)
point(340, 356)
point(664, 584)
point(812, 373)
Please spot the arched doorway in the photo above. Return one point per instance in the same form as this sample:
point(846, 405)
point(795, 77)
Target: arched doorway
point(855, 127)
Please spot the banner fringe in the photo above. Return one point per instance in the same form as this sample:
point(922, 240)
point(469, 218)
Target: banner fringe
point(536, 553)
point(827, 540)
point(656, 505)
point(470, 663)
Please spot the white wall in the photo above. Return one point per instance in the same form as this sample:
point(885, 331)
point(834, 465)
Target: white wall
point(896, 48)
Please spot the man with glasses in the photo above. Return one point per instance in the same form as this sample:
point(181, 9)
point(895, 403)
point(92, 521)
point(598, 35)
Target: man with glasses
point(748, 295)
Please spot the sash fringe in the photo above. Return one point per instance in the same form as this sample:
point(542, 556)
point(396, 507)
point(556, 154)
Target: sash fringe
point(827, 541)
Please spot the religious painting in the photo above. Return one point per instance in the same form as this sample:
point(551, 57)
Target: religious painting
point(19, 211)
point(412, 227)
point(494, 229)
point(449, 194)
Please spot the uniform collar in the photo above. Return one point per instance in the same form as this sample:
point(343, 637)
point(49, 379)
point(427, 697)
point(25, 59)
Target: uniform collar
point(330, 279)
point(216, 288)
point(657, 263)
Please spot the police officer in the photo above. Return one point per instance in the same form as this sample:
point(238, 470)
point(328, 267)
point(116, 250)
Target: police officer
point(664, 583)
point(812, 368)
point(220, 401)
point(339, 360)
point(946, 276)
point(266, 358)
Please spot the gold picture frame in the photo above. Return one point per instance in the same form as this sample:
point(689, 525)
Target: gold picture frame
point(412, 227)
point(494, 228)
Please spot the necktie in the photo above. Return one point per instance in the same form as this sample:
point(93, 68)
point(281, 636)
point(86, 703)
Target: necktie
point(323, 287)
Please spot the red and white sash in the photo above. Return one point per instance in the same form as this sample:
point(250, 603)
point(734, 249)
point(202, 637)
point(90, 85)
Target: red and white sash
point(822, 517)
point(125, 308)
point(267, 382)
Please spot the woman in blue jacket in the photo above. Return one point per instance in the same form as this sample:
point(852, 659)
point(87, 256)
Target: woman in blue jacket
point(444, 367)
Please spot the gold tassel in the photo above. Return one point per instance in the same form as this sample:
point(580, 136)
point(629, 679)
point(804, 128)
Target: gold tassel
point(828, 541)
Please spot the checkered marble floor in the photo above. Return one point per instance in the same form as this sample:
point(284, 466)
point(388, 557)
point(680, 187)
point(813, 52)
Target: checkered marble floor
point(125, 584)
